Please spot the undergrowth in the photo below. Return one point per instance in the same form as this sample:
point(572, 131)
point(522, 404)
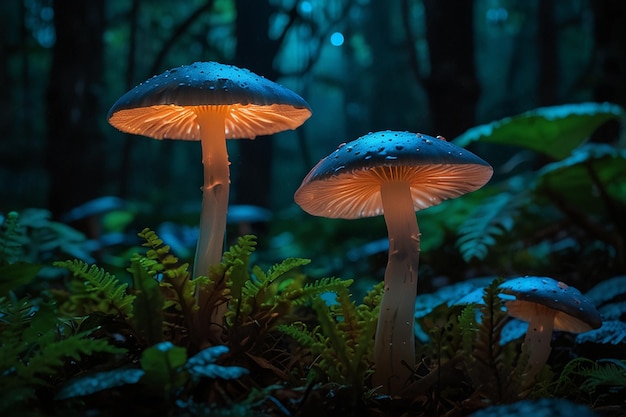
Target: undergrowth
point(287, 343)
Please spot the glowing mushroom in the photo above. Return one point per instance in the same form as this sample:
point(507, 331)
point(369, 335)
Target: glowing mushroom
point(547, 305)
point(393, 174)
point(209, 102)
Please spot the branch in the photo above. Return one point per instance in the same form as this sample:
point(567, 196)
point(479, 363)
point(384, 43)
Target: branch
point(178, 32)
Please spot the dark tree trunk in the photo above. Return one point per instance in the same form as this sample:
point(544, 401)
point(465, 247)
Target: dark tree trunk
point(610, 56)
point(452, 86)
point(126, 164)
point(548, 58)
point(256, 52)
point(610, 40)
point(74, 157)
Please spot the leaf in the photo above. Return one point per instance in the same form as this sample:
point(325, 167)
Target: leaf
point(15, 275)
point(202, 365)
point(99, 286)
point(612, 332)
point(555, 131)
point(578, 177)
point(489, 220)
point(148, 304)
point(97, 382)
point(162, 363)
point(607, 290)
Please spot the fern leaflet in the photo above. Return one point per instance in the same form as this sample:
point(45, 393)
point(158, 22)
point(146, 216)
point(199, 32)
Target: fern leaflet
point(490, 220)
point(101, 289)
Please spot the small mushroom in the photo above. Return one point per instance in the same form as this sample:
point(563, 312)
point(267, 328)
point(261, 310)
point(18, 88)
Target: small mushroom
point(209, 102)
point(547, 305)
point(392, 174)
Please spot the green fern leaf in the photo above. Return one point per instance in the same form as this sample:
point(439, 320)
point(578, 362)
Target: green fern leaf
point(175, 281)
point(303, 336)
point(489, 365)
point(468, 327)
point(53, 355)
point(102, 289)
point(490, 220)
point(312, 290)
point(148, 304)
point(11, 239)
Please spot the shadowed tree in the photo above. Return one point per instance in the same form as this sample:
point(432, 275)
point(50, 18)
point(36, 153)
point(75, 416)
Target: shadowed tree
point(74, 157)
point(256, 52)
point(452, 87)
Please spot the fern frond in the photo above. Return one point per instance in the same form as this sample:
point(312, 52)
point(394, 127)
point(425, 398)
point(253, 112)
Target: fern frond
point(343, 340)
point(227, 279)
point(50, 356)
point(303, 336)
point(609, 372)
point(175, 280)
point(11, 239)
point(35, 344)
point(489, 220)
point(469, 327)
point(101, 289)
point(490, 365)
point(316, 288)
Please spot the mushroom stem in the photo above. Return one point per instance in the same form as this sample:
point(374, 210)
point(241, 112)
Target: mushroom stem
point(538, 339)
point(394, 347)
point(215, 193)
point(215, 190)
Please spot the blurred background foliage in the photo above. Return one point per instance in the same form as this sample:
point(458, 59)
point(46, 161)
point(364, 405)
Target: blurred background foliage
point(439, 67)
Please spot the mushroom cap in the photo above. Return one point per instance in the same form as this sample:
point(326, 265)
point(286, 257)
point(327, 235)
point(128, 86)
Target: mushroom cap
point(574, 312)
point(165, 105)
point(346, 184)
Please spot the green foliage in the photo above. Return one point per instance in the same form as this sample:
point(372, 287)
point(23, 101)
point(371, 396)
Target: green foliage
point(585, 380)
point(445, 337)
point(35, 347)
point(494, 217)
point(165, 371)
point(11, 239)
point(489, 365)
point(95, 290)
point(166, 293)
point(13, 271)
point(582, 187)
point(34, 238)
point(148, 316)
point(343, 341)
point(554, 131)
point(260, 296)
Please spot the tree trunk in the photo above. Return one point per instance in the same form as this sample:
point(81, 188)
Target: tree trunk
point(547, 48)
point(452, 86)
point(256, 52)
point(74, 158)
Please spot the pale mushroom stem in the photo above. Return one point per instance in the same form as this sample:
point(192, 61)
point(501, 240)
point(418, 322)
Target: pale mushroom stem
point(215, 193)
point(394, 347)
point(538, 339)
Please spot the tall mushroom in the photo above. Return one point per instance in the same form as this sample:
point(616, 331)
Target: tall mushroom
point(394, 174)
point(547, 305)
point(209, 102)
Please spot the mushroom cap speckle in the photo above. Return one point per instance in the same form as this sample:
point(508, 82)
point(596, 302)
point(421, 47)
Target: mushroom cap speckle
point(164, 105)
point(346, 184)
point(574, 312)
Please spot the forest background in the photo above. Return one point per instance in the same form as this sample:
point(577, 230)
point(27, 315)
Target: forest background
point(435, 66)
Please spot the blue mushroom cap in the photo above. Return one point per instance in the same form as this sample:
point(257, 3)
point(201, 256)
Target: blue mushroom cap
point(258, 106)
point(574, 312)
point(346, 184)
